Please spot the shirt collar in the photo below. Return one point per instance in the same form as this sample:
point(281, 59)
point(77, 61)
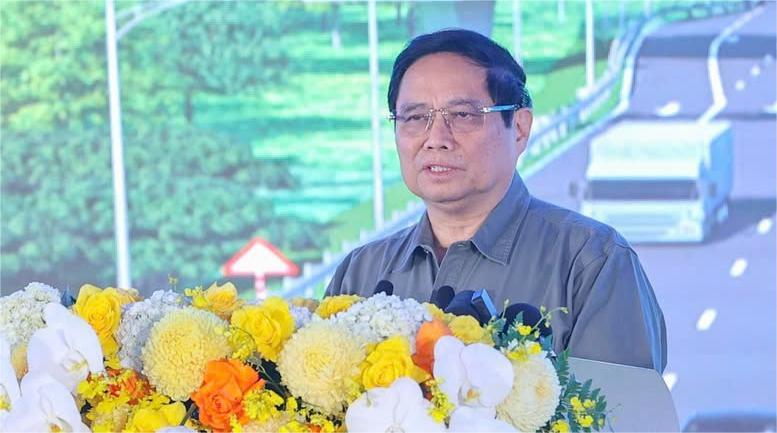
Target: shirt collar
point(495, 237)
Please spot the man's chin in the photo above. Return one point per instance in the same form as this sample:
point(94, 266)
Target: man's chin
point(443, 198)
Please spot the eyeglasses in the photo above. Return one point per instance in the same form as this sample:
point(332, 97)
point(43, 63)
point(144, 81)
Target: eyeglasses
point(460, 120)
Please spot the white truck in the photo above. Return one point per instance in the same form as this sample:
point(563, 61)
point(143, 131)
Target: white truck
point(659, 181)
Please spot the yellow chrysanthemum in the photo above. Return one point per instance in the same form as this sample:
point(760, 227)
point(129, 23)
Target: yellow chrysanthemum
point(320, 364)
point(468, 330)
point(534, 396)
point(270, 324)
point(178, 348)
point(335, 304)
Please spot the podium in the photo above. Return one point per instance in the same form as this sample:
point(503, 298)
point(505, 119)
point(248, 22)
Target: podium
point(637, 398)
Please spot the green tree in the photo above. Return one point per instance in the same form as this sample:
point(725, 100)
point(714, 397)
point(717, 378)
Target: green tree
point(222, 48)
point(53, 64)
point(191, 204)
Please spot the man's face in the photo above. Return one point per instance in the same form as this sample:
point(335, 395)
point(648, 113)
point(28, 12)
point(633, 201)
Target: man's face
point(456, 171)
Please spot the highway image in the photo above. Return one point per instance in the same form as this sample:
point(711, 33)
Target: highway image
point(717, 295)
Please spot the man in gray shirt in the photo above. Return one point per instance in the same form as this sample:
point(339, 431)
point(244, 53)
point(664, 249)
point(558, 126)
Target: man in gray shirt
point(462, 117)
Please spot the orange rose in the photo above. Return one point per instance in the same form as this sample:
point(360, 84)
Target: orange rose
point(427, 337)
point(220, 396)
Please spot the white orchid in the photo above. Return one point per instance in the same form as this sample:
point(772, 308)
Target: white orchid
point(400, 407)
point(469, 420)
point(67, 348)
point(45, 406)
point(9, 386)
point(175, 429)
point(477, 375)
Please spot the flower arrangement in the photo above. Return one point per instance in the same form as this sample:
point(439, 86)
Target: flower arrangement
point(205, 360)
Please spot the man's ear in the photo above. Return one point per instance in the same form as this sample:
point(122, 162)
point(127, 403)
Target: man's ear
point(522, 119)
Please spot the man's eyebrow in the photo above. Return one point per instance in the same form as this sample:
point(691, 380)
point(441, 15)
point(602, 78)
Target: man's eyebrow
point(467, 101)
point(412, 106)
point(455, 101)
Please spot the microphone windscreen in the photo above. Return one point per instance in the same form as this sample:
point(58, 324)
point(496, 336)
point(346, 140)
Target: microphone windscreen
point(384, 286)
point(442, 297)
point(531, 316)
point(461, 305)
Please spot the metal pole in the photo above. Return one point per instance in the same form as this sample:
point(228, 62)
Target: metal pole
point(561, 13)
point(517, 31)
point(589, 44)
point(377, 164)
point(646, 8)
point(117, 152)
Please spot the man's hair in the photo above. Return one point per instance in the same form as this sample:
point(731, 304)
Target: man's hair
point(505, 79)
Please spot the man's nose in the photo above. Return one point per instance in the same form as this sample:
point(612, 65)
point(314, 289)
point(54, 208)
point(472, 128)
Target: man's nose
point(440, 135)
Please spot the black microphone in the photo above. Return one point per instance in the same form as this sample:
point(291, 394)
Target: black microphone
point(442, 297)
point(531, 317)
point(384, 286)
point(461, 305)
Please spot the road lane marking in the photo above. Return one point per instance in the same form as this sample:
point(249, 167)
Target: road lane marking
point(738, 268)
point(755, 71)
point(669, 109)
point(740, 85)
point(764, 226)
point(670, 379)
point(713, 67)
point(706, 319)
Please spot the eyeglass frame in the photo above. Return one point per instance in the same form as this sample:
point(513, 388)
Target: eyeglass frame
point(432, 114)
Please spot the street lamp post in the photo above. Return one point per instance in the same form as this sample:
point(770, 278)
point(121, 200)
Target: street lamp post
point(377, 161)
point(117, 152)
point(112, 36)
point(589, 45)
point(517, 24)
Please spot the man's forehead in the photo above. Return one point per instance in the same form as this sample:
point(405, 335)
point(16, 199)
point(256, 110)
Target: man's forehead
point(454, 101)
point(442, 79)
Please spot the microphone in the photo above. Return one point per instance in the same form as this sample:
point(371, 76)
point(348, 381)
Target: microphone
point(531, 316)
point(384, 286)
point(462, 305)
point(483, 304)
point(442, 297)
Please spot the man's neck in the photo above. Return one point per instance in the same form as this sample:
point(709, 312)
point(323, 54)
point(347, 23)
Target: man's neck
point(449, 228)
point(453, 224)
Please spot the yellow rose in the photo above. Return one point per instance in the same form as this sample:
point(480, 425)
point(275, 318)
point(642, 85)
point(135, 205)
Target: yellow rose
point(468, 330)
point(151, 420)
point(270, 325)
point(102, 310)
point(310, 304)
point(223, 300)
point(389, 361)
point(335, 304)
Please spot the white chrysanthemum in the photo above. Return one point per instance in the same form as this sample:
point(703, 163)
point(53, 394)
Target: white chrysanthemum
point(21, 312)
point(535, 394)
point(301, 315)
point(382, 316)
point(137, 319)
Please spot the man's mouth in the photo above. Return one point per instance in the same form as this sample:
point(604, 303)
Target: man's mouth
point(439, 168)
